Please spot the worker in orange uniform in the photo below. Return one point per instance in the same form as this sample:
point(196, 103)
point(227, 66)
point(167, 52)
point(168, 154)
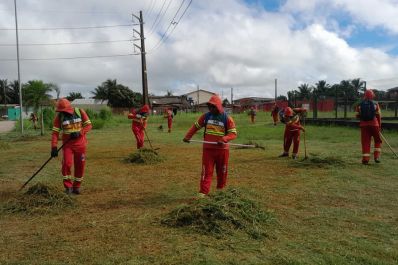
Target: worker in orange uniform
point(74, 124)
point(293, 127)
point(168, 114)
point(252, 113)
point(275, 114)
point(369, 114)
point(219, 130)
point(139, 123)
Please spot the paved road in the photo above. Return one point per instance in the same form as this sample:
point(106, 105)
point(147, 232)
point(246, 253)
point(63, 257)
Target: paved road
point(6, 126)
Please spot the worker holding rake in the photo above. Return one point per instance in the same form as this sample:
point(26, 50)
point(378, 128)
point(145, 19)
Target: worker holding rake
point(168, 114)
point(139, 124)
point(218, 128)
point(275, 114)
point(291, 118)
point(74, 124)
point(369, 114)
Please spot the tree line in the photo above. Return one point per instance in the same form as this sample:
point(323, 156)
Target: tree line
point(36, 93)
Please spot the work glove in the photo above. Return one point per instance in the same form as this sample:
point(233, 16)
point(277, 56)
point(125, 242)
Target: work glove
point(54, 152)
point(185, 140)
point(75, 135)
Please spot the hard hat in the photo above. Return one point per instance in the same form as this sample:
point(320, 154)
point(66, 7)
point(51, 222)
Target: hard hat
point(288, 112)
point(369, 94)
point(63, 105)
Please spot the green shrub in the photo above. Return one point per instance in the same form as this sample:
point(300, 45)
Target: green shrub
point(97, 123)
point(105, 113)
point(92, 114)
point(48, 117)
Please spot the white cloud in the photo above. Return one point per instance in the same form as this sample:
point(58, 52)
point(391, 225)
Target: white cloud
point(217, 45)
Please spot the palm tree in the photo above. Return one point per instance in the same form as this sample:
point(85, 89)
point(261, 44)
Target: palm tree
point(13, 92)
point(346, 88)
point(74, 95)
point(357, 85)
point(304, 91)
point(56, 88)
point(4, 92)
point(36, 94)
point(117, 94)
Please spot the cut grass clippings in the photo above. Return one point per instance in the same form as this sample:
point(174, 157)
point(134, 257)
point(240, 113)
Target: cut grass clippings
point(314, 160)
point(38, 199)
point(144, 156)
point(221, 214)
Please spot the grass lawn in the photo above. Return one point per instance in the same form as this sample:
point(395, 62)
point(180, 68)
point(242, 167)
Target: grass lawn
point(328, 209)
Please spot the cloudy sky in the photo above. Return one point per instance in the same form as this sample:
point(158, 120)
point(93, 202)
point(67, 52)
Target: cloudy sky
point(214, 44)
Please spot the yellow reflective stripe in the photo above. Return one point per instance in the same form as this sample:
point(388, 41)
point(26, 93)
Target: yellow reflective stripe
point(56, 129)
point(377, 149)
point(78, 179)
point(232, 130)
point(87, 122)
point(215, 133)
point(67, 177)
point(197, 125)
point(367, 154)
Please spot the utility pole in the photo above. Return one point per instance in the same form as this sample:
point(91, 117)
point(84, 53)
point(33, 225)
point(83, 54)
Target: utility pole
point(145, 99)
point(276, 88)
point(232, 98)
point(19, 74)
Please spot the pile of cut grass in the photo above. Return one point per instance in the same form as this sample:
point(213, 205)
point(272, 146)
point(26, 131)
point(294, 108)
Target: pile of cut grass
point(221, 214)
point(38, 199)
point(144, 156)
point(314, 160)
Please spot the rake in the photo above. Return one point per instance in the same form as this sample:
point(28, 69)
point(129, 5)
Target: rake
point(385, 140)
point(231, 144)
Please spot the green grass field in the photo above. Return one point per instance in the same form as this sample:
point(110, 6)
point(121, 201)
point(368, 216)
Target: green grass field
point(328, 209)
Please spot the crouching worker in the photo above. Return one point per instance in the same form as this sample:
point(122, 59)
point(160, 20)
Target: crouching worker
point(74, 124)
point(292, 131)
point(219, 129)
point(139, 124)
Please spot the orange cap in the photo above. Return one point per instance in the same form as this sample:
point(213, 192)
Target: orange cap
point(288, 112)
point(369, 94)
point(63, 105)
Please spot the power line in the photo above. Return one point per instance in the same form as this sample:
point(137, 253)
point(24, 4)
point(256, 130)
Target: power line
point(64, 43)
point(157, 16)
point(155, 25)
point(72, 28)
point(69, 58)
point(175, 25)
point(171, 23)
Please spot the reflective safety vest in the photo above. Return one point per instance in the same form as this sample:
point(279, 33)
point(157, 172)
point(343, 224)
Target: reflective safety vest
point(216, 124)
point(71, 123)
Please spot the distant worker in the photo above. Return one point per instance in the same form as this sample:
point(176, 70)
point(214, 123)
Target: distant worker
point(169, 115)
point(34, 120)
point(74, 124)
point(219, 130)
point(291, 118)
point(139, 123)
point(275, 114)
point(368, 111)
point(253, 113)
